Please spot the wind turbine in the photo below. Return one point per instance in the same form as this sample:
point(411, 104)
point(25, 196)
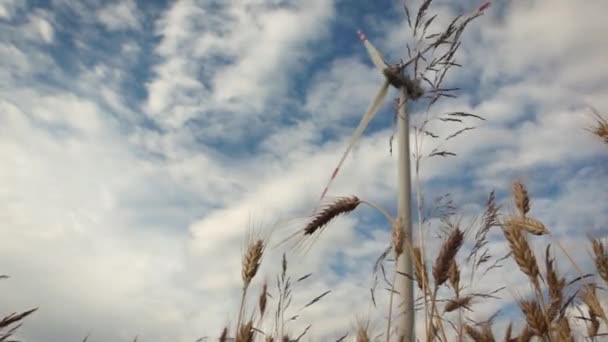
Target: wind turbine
point(409, 89)
point(391, 77)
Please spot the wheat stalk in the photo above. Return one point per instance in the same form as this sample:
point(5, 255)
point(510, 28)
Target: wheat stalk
point(555, 285)
point(534, 317)
point(441, 268)
point(263, 299)
point(454, 277)
point(530, 225)
point(420, 270)
point(522, 253)
point(251, 261)
point(508, 332)
point(522, 200)
point(601, 259)
point(363, 331)
point(398, 237)
point(249, 268)
point(245, 333)
point(458, 303)
point(589, 297)
point(485, 335)
point(564, 332)
point(224, 335)
point(446, 256)
point(340, 206)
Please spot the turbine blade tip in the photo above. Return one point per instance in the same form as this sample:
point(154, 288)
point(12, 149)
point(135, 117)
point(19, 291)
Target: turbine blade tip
point(361, 35)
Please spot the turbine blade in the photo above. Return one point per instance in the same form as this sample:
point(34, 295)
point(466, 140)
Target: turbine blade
point(365, 120)
point(484, 6)
point(373, 52)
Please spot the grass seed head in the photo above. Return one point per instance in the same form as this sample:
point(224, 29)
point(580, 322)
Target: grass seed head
point(508, 332)
point(589, 297)
point(263, 299)
point(398, 237)
point(528, 224)
point(245, 333)
point(522, 253)
point(224, 335)
point(363, 331)
point(448, 252)
point(458, 303)
point(601, 259)
point(600, 129)
point(564, 332)
point(251, 261)
point(478, 336)
point(420, 269)
point(526, 335)
point(534, 317)
point(340, 206)
point(555, 285)
point(593, 326)
point(521, 198)
point(454, 277)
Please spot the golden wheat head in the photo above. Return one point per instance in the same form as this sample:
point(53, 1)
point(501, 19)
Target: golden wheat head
point(521, 198)
point(446, 256)
point(338, 207)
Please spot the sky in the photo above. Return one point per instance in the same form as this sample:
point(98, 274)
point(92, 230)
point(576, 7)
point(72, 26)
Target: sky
point(141, 140)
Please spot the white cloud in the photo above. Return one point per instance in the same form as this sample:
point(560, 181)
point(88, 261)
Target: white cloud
point(9, 7)
point(121, 15)
point(343, 93)
point(237, 60)
point(40, 28)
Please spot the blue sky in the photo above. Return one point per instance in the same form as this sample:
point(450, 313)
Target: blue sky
point(140, 138)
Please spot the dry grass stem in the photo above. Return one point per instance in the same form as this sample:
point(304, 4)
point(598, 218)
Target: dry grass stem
point(14, 317)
